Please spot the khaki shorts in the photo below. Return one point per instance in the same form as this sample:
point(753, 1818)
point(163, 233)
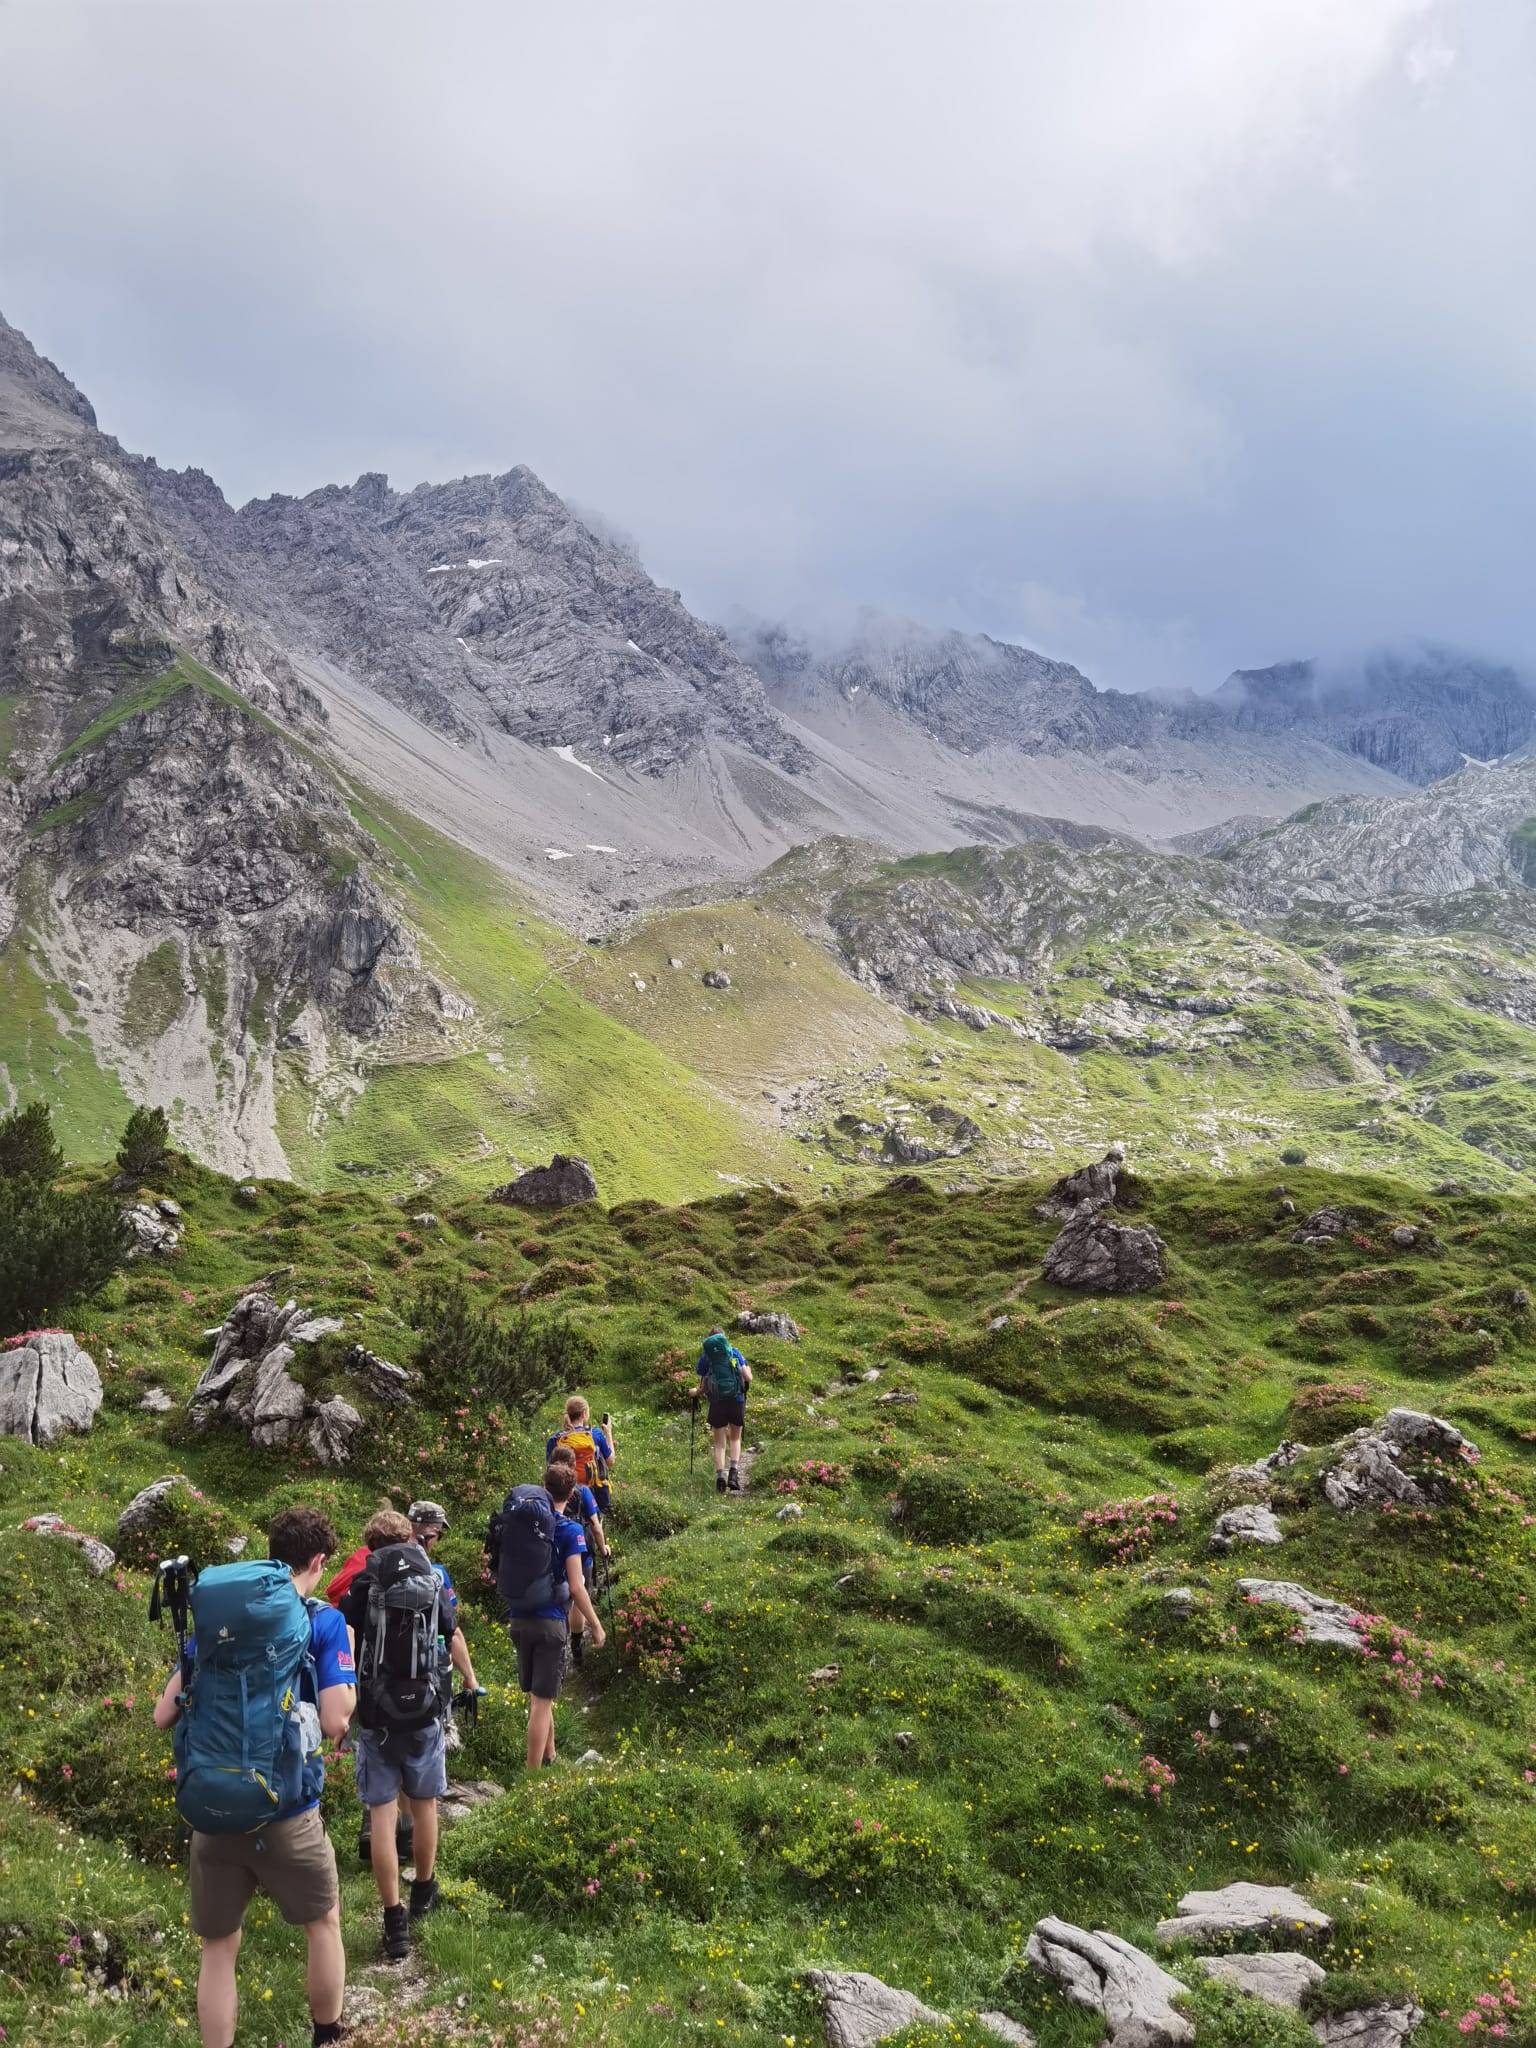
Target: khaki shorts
point(290, 1860)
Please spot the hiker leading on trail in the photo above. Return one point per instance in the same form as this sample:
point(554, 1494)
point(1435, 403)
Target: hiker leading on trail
point(401, 1620)
point(591, 1445)
point(536, 1554)
point(266, 1672)
point(428, 1522)
point(582, 1509)
point(725, 1376)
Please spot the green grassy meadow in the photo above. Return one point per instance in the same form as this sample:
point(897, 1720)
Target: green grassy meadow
point(889, 1733)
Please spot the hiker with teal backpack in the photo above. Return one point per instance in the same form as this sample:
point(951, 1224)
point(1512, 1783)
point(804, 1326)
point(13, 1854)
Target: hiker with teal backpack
point(724, 1375)
point(264, 1674)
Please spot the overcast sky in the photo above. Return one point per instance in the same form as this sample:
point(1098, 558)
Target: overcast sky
point(1166, 335)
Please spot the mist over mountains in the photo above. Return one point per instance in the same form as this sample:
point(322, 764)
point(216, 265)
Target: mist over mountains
point(319, 808)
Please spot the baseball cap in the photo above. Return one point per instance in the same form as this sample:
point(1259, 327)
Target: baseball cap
point(427, 1511)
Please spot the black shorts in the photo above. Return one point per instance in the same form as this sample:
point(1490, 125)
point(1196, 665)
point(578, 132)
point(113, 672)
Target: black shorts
point(540, 1643)
point(727, 1414)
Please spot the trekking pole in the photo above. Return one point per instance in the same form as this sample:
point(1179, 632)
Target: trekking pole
point(693, 1430)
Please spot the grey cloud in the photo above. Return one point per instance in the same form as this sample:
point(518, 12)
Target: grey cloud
point(1167, 335)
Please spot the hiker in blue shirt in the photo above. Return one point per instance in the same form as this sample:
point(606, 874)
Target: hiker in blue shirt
point(725, 1376)
point(429, 1522)
point(536, 1554)
point(290, 1856)
point(583, 1510)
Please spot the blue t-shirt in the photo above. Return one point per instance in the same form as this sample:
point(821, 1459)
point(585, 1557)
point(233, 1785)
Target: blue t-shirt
point(569, 1542)
point(442, 1573)
point(331, 1648)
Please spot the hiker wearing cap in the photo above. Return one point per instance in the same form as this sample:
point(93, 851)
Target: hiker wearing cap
point(536, 1554)
point(265, 1674)
point(428, 1522)
point(725, 1376)
point(400, 1616)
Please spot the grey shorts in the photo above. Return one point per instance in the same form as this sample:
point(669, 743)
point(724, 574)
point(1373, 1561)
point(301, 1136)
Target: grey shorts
point(290, 1860)
point(415, 1764)
point(540, 1645)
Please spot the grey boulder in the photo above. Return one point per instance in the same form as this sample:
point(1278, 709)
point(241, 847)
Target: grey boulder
point(715, 979)
point(1005, 2029)
point(148, 1505)
point(1105, 1258)
point(1278, 1978)
point(1253, 1523)
point(565, 1181)
point(857, 2010)
point(149, 1231)
point(96, 1553)
point(388, 1383)
point(1110, 1976)
point(1321, 1620)
point(1395, 1462)
point(48, 1384)
point(332, 1427)
point(1243, 1908)
point(157, 1401)
point(1369, 2026)
point(1094, 1184)
point(769, 1323)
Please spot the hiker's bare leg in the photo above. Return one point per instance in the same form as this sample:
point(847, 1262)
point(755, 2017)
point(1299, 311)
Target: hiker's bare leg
point(734, 1433)
point(424, 1813)
point(541, 1732)
point(720, 1436)
point(386, 1858)
point(217, 2000)
point(326, 1978)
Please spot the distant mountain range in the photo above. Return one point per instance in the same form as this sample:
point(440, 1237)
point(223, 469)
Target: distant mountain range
point(307, 810)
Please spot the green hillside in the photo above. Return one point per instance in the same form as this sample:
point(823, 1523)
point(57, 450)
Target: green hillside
point(891, 1733)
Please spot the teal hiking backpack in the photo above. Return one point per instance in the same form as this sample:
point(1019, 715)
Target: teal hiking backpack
point(722, 1375)
point(244, 1731)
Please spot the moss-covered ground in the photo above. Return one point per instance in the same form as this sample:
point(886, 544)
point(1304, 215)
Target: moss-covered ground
point(889, 1733)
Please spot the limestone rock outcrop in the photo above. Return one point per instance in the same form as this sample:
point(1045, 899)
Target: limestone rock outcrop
point(1242, 1909)
point(564, 1182)
point(857, 2010)
point(1105, 1974)
point(1098, 1257)
point(48, 1385)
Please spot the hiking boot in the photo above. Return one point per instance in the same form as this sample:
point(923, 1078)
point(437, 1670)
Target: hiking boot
point(719, 1482)
point(734, 1480)
point(397, 1933)
point(423, 1896)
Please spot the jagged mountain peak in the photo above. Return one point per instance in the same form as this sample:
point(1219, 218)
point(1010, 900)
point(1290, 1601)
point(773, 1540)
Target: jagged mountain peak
point(39, 407)
point(1420, 711)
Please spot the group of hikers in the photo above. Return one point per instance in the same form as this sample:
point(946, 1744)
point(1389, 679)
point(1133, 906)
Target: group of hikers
point(267, 1672)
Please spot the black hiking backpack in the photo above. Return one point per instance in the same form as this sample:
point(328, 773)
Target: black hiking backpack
point(522, 1549)
point(404, 1680)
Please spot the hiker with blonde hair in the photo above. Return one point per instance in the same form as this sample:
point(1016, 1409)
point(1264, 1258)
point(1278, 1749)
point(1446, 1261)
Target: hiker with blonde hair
point(591, 1446)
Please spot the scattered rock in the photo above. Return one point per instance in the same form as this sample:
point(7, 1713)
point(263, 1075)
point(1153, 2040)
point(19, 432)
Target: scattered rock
point(896, 1400)
point(1105, 1258)
point(1395, 1460)
point(247, 1193)
point(1243, 1908)
point(464, 1796)
point(564, 1182)
point(425, 1220)
point(1180, 1602)
point(157, 1401)
point(715, 979)
point(591, 1756)
point(169, 1209)
point(857, 2010)
point(1278, 1979)
point(149, 1232)
point(1252, 1523)
point(1093, 1185)
point(332, 1427)
point(905, 1738)
point(790, 1512)
point(1322, 1621)
point(1322, 1226)
point(48, 1384)
point(997, 1323)
point(1404, 1238)
point(146, 1507)
point(825, 1674)
point(1107, 1975)
point(97, 1555)
point(1449, 1187)
point(1258, 1475)
point(388, 1383)
point(902, 1149)
point(1369, 2026)
point(769, 1323)
point(674, 962)
point(1006, 2029)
